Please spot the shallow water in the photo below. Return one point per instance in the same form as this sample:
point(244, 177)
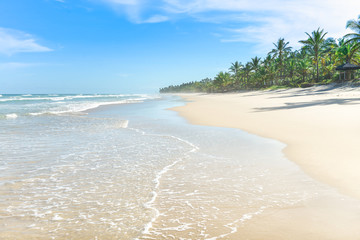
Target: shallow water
point(138, 171)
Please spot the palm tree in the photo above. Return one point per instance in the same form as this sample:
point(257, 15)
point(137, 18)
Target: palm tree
point(354, 37)
point(314, 44)
point(279, 52)
point(330, 46)
point(235, 68)
point(268, 63)
point(255, 64)
point(328, 65)
point(222, 80)
point(247, 69)
point(303, 69)
point(291, 66)
point(346, 51)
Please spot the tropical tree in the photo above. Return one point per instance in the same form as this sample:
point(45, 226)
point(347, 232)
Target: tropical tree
point(354, 37)
point(330, 47)
point(291, 66)
point(236, 68)
point(303, 68)
point(222, 80)
point(247, 69)
point(316, 60)
point(268, 65)
point(255, 64)
point(346, 51)
point(315, 46)
point(279, 52)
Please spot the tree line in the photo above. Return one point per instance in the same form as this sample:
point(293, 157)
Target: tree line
point(315, 62)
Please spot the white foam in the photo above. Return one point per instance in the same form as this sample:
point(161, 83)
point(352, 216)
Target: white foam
point(179, 228)
point(232, 225)
point(189, 204)
point(56, 98)
point(57, 218)
point(17, 98)
point(149, 204)
point(11, 116)
point(81, 107)
point(157, 179)
point(123, 124)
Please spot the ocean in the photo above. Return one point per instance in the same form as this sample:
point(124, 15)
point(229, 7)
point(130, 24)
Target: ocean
point(126, 167)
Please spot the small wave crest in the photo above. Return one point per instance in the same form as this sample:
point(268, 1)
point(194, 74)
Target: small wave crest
point(78, 108)
point(55, 97)
point(11, 116)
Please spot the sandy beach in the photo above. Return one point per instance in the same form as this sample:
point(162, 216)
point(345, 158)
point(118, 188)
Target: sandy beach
point(321, 130)
point(319, 125)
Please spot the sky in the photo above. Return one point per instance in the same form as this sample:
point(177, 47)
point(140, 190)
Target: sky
point(138, 46)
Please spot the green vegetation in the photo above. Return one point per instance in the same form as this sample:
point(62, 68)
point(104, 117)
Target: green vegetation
point(283, 67)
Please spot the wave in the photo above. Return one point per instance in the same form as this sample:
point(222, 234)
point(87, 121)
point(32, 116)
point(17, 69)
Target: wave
point(81, 107)
point(35, 105)
point(11, 116)
point(17, 98)
point(54, 97)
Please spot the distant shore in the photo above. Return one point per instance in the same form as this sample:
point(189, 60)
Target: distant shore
point(320, 126)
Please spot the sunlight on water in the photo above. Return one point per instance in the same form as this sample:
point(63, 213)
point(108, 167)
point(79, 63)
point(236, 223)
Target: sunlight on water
point(137, 171)
point(79, 172)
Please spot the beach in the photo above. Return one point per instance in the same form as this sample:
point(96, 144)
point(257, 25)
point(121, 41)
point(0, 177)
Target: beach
point(320, 127)
point(125, 167)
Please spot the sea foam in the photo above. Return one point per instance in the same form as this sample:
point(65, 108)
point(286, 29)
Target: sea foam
point(11, 116)
point(123, 124)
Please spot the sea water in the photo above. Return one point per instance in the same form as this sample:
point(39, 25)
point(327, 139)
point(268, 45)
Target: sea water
point(124, 167)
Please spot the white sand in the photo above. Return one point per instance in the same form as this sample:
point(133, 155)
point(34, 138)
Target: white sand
point(320, 125)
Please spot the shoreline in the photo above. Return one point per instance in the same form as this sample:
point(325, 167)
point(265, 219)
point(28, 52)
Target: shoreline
point(319, 126)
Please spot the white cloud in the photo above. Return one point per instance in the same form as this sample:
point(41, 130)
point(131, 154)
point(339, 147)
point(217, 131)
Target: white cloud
point(131, 8)
point(258, 21)
point(139, 11)
point(156, 19)
point(13, 41)
point(263, 22)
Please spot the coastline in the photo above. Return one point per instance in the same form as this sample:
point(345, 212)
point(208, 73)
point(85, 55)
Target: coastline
point(319, 126)
point(139, 171)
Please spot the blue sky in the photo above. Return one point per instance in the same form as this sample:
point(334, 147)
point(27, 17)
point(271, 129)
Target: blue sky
point(138, 46)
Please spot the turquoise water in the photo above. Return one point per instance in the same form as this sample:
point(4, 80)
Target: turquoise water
point(124, 167)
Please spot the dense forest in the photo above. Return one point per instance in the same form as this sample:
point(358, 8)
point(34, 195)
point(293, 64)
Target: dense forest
point(314, 63)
